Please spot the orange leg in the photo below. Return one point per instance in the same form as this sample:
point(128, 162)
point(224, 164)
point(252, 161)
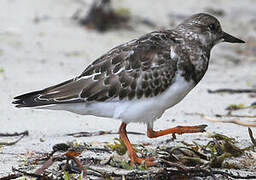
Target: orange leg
point(134, 157)
point(176, 130)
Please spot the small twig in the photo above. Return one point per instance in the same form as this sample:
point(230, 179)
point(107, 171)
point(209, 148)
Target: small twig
point(234, 121)
point(235, 115)
point(14, 134)
point(14, 142)
point(251, 136)
point(226, 90)
point(99, 150)
point(98, 133)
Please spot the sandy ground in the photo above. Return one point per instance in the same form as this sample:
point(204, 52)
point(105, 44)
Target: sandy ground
point(34, 55)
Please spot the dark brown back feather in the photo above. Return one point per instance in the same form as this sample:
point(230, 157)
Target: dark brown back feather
point(141, 68)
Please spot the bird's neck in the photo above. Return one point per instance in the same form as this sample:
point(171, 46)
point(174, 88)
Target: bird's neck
point(196, 61)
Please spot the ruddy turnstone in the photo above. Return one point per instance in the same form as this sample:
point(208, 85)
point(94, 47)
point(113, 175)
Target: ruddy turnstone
point(138, 80)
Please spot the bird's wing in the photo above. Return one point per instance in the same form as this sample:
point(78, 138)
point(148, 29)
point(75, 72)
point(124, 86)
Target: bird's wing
point(137, 69)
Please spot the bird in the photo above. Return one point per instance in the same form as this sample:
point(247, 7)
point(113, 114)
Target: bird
point(136, 82)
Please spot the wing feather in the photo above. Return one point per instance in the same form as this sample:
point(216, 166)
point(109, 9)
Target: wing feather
point(141, 68)
point(137, 69)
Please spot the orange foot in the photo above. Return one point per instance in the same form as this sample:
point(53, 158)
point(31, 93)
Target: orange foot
point(144, 161)
point(176, 130)
point(132, 154)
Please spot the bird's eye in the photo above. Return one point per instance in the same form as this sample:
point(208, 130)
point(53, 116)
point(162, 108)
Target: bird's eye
point(212, 27)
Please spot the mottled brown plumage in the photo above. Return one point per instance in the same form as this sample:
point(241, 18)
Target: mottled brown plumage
point(140, 68)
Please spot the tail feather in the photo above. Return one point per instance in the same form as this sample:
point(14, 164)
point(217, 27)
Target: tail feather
point(51, 95)
point(29, 100)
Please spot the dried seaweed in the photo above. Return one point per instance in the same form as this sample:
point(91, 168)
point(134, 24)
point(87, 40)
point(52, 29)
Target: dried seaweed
point(102, 16)
point(212, 154)
point(185, 161)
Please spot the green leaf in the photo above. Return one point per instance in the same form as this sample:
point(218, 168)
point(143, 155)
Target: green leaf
point(142, 167)
point(126, 165)
point(66, 175)
point(118, 146)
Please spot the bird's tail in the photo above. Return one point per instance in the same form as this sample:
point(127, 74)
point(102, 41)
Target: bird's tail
point(57, 94)
point(29, 100)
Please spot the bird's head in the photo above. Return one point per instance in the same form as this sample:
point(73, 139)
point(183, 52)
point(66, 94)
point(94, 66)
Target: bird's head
point(206, 29)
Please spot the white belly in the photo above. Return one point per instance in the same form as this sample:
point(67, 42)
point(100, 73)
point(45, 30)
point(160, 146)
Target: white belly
point(143, 110)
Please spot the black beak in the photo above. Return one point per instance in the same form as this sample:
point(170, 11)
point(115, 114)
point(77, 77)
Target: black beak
point(231, 39)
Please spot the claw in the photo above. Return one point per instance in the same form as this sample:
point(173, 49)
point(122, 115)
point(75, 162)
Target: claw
point(202, 127)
